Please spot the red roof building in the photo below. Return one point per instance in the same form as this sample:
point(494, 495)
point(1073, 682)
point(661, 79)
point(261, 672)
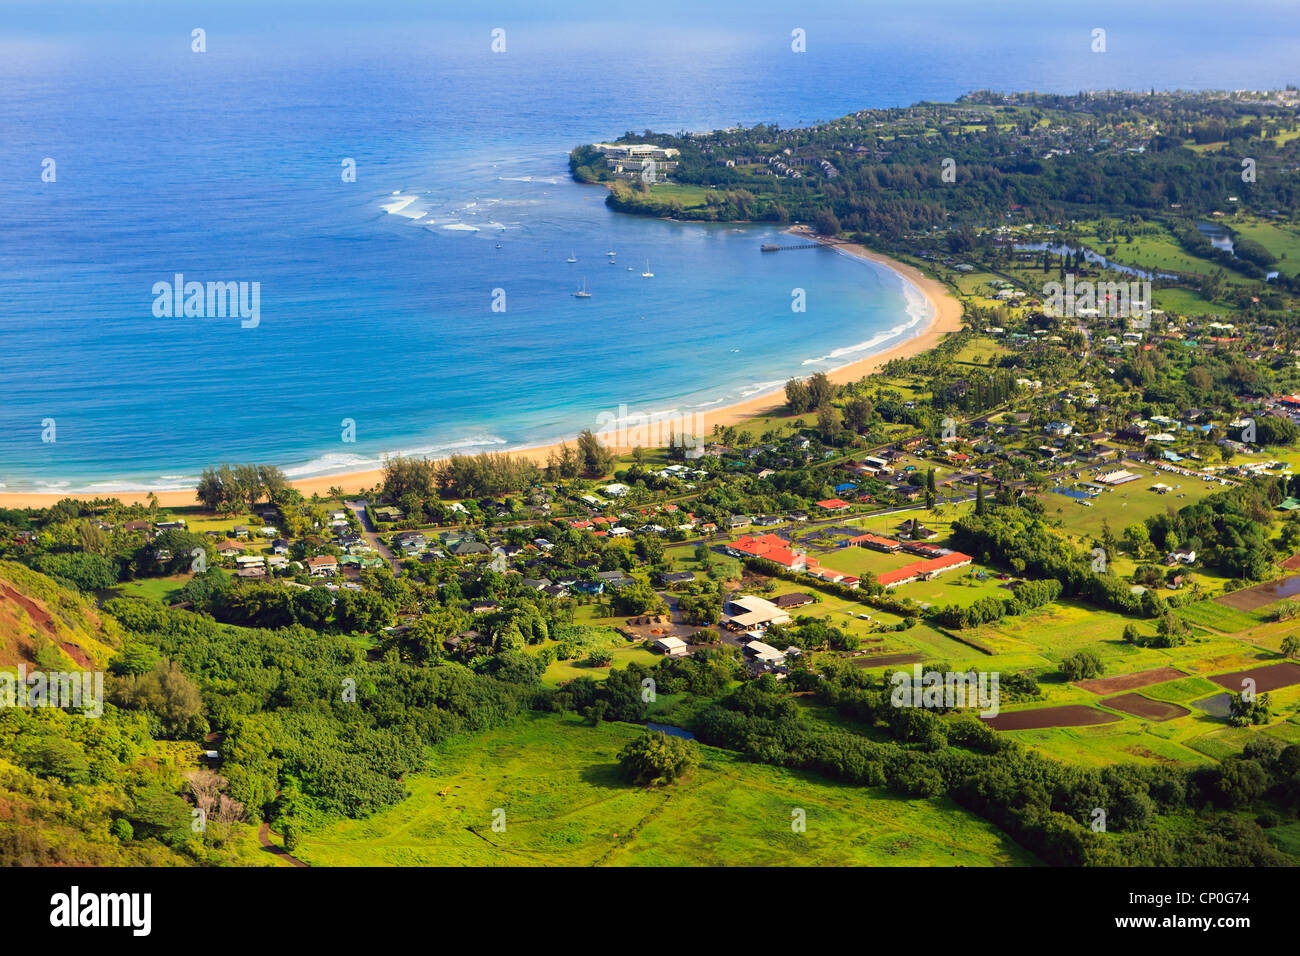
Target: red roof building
point(833, 504)
point(769, 547)
point(923, 570)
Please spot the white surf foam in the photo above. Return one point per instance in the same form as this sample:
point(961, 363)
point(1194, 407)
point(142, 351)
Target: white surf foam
point(404, 206)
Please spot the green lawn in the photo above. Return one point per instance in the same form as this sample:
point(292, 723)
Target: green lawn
point(595, 635)
point(980, 350)
point(158, 589)
point(1185, 302)
point(1124, 505)
point(859, 561)
point(690, 196)
point(556, 781)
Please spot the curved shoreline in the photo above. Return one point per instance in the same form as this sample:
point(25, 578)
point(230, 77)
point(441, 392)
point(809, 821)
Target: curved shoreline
point(945, 318)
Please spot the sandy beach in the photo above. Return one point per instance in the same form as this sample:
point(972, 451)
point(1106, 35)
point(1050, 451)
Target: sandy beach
point(946, 319)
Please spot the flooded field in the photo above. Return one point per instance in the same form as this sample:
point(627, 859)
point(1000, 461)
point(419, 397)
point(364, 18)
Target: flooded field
point(1248, 599)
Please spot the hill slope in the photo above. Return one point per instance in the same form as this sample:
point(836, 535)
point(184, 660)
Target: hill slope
point(47, 625)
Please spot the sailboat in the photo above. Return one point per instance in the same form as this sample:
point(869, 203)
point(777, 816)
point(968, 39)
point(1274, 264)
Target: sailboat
point(584, 292)
point(572, 258)
point(647, 274)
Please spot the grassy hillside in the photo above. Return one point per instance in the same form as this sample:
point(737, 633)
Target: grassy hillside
point(45, 624)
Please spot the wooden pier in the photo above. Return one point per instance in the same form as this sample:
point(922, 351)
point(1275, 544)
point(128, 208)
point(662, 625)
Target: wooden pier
point(816, 243)
point(802, 245)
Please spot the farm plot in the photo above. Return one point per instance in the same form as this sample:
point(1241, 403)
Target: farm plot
point(1181, 690)
point(887, 660)
point(1121, 682)
point(1069, 715)
point(1254, 598)
point(1269, 677)
point(1144, 707)
point(1216, 705)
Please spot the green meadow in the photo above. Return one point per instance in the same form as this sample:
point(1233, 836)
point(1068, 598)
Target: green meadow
point(1281, 240)
point(553, 786)
point(157, 589)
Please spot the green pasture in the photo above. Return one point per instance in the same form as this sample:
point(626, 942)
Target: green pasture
point(553, 788)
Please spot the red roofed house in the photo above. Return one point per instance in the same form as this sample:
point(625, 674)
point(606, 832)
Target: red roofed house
point(833, 504)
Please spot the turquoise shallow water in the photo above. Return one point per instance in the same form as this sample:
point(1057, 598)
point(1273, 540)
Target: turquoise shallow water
point(376, 295)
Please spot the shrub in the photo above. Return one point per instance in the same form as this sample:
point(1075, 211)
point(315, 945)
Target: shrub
point(1081, 665)
point(657, 759)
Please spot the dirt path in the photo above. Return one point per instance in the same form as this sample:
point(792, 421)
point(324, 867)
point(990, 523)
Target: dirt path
point(264, 835)
point(372, 536)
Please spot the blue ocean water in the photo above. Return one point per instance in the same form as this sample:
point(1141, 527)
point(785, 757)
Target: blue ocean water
point(376, 295)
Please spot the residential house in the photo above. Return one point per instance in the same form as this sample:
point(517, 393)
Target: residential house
point(670, 579)
point(764, 655)
point(325, 565)
point(834, 504)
